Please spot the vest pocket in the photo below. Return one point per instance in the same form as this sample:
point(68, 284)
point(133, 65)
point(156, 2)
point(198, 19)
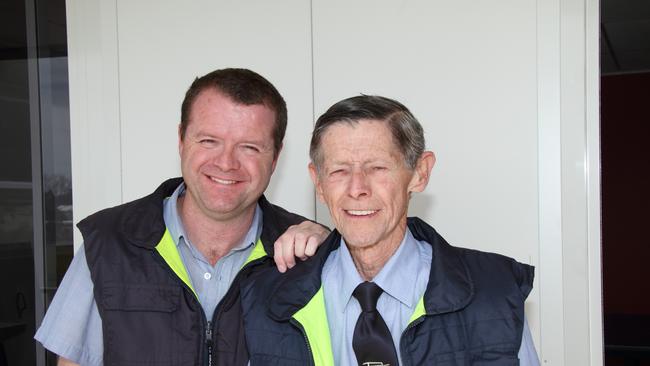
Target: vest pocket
point(506, 361)
point(459, 359)
point(450, 359)
point(497, 355)
point(141, 298)
point(502, 355)
point(138, 323)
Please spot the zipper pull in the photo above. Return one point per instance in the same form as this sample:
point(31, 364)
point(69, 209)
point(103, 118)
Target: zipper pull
point(208, 341)
point(208, 333)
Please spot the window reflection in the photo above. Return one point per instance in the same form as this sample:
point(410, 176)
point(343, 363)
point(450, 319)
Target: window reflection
point(31, 271)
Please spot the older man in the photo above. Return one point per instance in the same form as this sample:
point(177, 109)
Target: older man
point(384, 289)
point(152, 285)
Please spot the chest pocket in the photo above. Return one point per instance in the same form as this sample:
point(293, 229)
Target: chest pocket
point(443, 341)
point(139, 325)
point(487, 357)
point(141, 298)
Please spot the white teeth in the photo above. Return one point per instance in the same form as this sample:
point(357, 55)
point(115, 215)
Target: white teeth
point(222, 181)
point(361, 213)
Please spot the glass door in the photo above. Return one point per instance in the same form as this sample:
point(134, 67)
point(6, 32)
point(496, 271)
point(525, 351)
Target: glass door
point(35, 184)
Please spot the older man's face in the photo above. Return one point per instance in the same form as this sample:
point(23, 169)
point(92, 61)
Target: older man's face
point(366, 184)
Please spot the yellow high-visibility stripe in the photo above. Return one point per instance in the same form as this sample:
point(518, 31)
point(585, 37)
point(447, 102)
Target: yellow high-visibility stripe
point(169, 251)
point(313, 318)
point(258, 252)
point(419, 311)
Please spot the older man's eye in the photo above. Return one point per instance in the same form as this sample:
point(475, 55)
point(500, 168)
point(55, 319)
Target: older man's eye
point(337, 172)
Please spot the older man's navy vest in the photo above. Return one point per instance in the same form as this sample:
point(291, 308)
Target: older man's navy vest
point(472, 311)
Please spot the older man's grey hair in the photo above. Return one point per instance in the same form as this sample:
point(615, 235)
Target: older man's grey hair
point(407, 132)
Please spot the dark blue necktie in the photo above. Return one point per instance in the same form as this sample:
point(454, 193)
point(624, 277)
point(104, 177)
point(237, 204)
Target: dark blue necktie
point(372, 342)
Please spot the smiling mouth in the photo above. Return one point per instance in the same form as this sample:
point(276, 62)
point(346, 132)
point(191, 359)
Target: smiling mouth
point(223, 181)
point(360, 213)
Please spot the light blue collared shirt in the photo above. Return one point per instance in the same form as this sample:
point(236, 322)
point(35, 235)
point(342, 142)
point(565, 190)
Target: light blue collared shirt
point(210, 282)
point(403, 278)
point(72, 327)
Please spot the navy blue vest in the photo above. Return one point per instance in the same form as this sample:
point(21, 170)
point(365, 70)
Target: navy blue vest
point(473, 308)
point(149, 316)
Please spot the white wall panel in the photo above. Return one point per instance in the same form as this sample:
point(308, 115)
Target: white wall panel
point(164, 45)
point(469, 74)
point(575, 177)
point(475, 97)
point(592, 177)
point(94, 107)
point(550, 275)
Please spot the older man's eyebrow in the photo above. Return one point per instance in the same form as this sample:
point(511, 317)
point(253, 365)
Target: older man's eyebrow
point(336, 165)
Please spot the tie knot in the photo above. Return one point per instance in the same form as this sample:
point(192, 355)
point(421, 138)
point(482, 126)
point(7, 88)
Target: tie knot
point(367, 293)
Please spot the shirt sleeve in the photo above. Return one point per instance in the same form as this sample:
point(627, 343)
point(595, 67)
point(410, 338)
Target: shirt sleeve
point(527, 353)
point(72, 327)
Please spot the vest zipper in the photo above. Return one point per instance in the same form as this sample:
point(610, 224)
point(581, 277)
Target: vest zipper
point(204, 320)
point(227, 298)
point(206, 323)
point(304, 335)
point(208, 341)
point(401, 339)
point(229, 294)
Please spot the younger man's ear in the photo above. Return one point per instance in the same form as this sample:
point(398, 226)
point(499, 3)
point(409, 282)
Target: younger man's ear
point(180, 139)
point(276, 155)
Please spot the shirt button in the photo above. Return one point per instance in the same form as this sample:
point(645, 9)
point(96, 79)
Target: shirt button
point(207, 275)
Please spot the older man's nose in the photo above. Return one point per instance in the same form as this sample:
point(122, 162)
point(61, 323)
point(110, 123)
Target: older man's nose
point(359, 186)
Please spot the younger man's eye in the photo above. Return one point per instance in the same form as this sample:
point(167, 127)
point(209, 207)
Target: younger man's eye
point(252, 148)
point(207, 142)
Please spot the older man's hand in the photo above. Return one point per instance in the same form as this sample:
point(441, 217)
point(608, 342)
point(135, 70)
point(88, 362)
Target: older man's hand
point(300, 241)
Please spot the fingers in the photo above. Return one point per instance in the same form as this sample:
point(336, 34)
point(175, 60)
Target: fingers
point(278, 255)
point(300, 241)
point(288, 255)
point(310, 249)
point(319, 233)
point(284, 248)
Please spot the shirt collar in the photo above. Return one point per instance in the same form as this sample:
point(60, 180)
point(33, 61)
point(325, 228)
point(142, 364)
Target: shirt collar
point(401, 268)
point(348, 275)
point(175, 226)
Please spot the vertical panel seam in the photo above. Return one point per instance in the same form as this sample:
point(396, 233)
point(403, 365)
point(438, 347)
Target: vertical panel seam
point(313, 89)
point(594, 257)
point(549, 116)
point(119, 100)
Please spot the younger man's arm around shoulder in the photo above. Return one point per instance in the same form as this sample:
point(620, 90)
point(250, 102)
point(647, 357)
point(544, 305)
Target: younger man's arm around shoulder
point(299, 241)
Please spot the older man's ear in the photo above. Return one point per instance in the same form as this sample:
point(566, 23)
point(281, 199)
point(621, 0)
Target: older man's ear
point(313, 173)
point(422, 172)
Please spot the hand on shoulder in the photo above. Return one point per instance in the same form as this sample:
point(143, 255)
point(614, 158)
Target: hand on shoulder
point(300, 241)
